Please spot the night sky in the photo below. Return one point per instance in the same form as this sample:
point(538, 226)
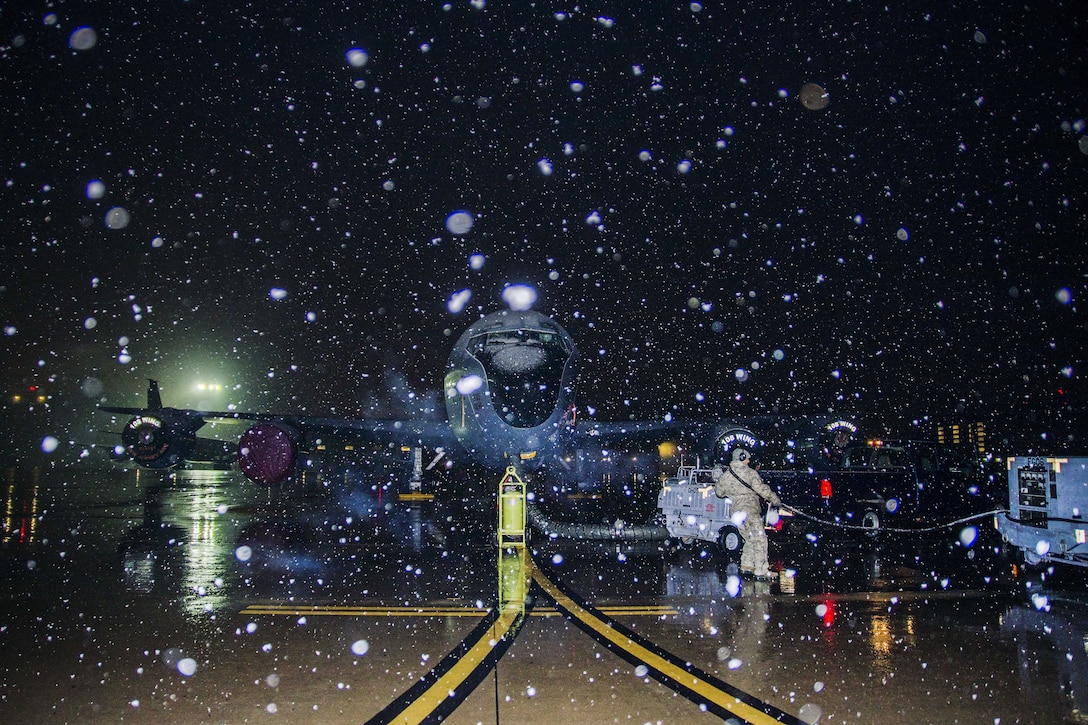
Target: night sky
point(271, 210)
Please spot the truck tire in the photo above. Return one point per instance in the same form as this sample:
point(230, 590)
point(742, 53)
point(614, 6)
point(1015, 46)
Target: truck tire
point(729, 540)
point(870, 520)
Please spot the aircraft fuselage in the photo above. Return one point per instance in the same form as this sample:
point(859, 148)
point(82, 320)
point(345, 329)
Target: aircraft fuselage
point(509, 389)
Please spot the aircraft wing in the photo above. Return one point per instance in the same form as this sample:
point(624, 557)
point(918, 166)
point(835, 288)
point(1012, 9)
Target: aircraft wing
point(631, 430)
point(163, 437)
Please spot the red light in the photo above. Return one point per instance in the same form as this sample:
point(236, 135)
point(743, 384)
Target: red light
point(829, 613)
point(825, 488)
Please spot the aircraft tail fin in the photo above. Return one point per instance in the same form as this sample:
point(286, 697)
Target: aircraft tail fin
point(154, 401)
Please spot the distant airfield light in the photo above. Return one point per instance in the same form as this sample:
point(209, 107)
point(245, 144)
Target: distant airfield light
point(476, 262)
point(96, 189)
point(277, 293)
point(118, 218)
point(357, 57)
point(49, 444)
point(83, 38)
point(460, 222)
point(519, 297)
point(458, 300)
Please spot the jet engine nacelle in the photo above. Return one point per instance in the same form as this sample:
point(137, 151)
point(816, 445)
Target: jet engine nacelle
point(152, 442)
point(734, 437)
point(267, 453)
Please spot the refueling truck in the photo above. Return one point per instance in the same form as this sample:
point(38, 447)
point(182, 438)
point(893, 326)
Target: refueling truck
point(878, 482)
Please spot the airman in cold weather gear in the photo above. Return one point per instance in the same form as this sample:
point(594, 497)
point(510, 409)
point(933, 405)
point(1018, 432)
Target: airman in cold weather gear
point(743, 485)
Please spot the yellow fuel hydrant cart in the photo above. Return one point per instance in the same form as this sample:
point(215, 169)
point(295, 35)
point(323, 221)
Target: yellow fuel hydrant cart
point(512, 530)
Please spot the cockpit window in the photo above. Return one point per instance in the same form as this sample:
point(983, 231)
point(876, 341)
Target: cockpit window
point(524, 369)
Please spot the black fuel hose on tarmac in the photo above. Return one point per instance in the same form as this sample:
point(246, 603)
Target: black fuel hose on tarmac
point(594, 532)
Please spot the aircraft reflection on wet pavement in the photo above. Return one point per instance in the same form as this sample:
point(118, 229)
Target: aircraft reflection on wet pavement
point(889, 629)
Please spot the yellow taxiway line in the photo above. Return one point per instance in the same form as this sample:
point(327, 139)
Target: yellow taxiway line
point(442, 689)
point(718, 696)
point(349, 611)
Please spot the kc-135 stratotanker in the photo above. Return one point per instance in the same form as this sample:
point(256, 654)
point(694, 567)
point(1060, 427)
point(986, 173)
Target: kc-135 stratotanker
point(510, 400)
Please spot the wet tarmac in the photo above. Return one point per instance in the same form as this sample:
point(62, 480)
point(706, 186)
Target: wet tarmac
point(134, 596)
